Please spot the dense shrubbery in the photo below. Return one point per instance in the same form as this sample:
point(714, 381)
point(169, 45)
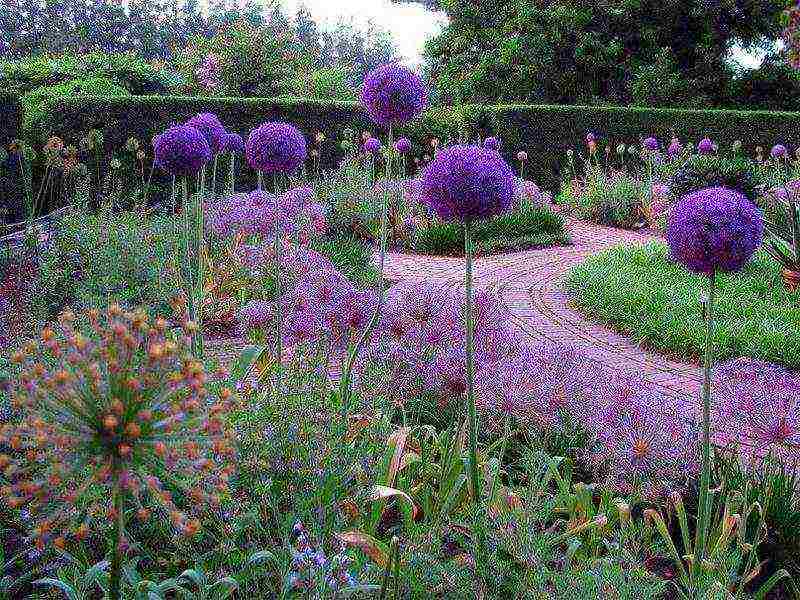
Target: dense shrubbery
point(545, 132)
point(126, 70)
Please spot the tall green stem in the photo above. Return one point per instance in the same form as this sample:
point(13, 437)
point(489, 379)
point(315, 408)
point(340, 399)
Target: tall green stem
point(278, 248)
point(344, 383)
point(114, 578)
point(704, 508)
point(214, 176)
point(470, 326)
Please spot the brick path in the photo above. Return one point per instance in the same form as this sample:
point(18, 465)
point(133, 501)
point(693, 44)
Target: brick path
point(530, 283)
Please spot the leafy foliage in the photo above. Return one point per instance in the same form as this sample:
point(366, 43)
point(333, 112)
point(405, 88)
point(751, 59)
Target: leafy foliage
point(568, 52)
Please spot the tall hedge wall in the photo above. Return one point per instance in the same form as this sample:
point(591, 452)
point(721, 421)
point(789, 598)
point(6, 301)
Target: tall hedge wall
point(545, 132)
point(10, 118)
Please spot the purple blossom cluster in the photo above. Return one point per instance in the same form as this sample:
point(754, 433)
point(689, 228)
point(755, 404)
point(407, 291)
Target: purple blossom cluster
point(276, 147)
point(392, 95)
point(181, 150)
point(465, 183)
point(212, 129)
point(299, 216)
point(311, 568)
point(714, 230)
point(208, 73)
point(761, 402)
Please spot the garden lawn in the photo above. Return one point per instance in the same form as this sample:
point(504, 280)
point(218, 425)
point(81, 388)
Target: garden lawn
point(638, 290)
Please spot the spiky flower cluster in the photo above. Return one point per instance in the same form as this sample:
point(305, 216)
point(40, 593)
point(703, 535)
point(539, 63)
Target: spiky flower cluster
point(392, 95)
point(232, 142)
point(276, 147)
point(300, 217)
point(714, 230)
point(761, 402)
point(212, 129)
point(465, 183)
point(181, 150)
point(115, 405)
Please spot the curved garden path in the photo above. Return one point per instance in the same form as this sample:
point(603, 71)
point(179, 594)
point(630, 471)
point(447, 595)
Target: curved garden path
point(530, 284)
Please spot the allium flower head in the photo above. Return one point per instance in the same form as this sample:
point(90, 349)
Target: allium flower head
point(275, 147)
point(675, 147)
point(393, 95)
point(705, 146)
point(464, 183)
point(714, 229)
point(118, 402)
point(522, 156)
point(403, 145)
point(372, 145)
point(590, 138)
point(491, 143)
point(181, 150)
point(650, 144)
point(232, 142)
point(778, 151)
point(212, 129)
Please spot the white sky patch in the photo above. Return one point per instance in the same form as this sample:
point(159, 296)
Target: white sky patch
point(410, 24)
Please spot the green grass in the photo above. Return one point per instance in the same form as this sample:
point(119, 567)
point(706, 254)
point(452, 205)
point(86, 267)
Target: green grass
point(525, 228)
point(639, 291)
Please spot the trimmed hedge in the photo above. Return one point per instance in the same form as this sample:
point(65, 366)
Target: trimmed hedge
point(10, 118)
point(545, 132)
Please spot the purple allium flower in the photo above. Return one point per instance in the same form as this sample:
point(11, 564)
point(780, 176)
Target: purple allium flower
point(275, 147)
point(403, 145)
point(491, 143)
point(590, 138)
point(464, 183)
point(232, 142)
point(778, 151)
point(714, 229)
point(650, 144)
point(212, 129)
point(372, 145)
point(705, 146)
point(181, 150)
point(393, 95)
point(675, 147)
point(522, 156)
point(760, 403)
point(257, 314)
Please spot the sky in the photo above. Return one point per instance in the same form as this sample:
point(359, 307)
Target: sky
point(409, 24)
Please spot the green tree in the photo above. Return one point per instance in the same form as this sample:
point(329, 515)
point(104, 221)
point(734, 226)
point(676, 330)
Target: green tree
point(594, 52)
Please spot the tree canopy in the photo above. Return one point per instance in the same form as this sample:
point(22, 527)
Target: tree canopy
point(650, 52)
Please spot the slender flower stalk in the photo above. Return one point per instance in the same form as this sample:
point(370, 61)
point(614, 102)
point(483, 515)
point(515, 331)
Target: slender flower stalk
point(704, 506)
point(470, 326)
point(345, 383)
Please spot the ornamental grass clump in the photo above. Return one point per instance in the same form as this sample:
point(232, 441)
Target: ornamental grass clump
point(114, 416)
point(183, 151)
point(466, 184)
point(711, 231)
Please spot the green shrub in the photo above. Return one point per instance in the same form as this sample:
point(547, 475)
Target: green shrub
point(120, 256)
point(703, 171)
point(526, 227)
point(613, 199)
point(638, 290)
point(127, 70)
point(10, 118)
point(545, 132)
point(34, 101)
